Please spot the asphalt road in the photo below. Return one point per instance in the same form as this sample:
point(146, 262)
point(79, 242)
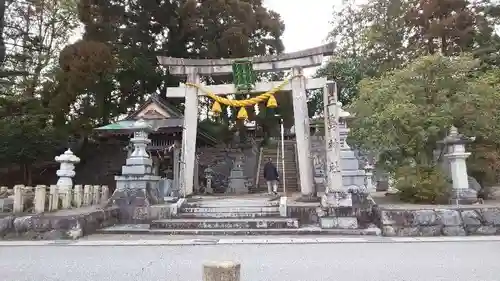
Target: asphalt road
point(438, 261)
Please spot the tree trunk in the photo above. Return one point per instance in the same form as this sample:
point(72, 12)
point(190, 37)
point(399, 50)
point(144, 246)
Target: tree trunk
point(2, 22)
point(27, 172)
point(444, 46)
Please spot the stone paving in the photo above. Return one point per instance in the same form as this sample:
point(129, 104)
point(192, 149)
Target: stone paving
point(131, 240)
point(451, 261)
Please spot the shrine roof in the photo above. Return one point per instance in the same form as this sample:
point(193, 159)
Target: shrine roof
point(157, 113)
point(156, 124)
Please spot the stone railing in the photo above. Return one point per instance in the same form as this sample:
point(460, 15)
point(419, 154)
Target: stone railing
point(41, 198)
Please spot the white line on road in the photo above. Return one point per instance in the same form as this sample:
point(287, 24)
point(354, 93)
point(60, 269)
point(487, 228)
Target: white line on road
point(255, 241)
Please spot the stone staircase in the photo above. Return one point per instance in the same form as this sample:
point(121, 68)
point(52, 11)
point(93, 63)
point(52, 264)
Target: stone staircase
point(291, 171)
point(227, 216)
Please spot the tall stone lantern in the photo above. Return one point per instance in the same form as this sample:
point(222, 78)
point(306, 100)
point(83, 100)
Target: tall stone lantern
point(137, 188)
point(457, 156)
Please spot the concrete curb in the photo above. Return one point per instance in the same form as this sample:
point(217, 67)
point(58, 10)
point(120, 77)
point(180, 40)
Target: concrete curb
point(248, 241)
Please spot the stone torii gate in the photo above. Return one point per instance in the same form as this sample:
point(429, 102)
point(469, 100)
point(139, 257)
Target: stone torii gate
point(194, 69)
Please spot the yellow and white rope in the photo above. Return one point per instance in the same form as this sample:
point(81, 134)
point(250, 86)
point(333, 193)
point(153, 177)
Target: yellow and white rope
point(269, 96)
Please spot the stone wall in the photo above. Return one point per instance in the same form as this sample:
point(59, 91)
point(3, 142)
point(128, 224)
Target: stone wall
point(467, 220)
point(67, 224)
point(221, 159)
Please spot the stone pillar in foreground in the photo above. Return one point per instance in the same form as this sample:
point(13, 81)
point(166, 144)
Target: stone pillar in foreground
point(137, 188)
point(189, 133)
point(332, 141)
point(301, 123)
point(221, 271)
point(337, 200)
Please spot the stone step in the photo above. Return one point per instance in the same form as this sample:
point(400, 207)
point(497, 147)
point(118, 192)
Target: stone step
point(229, 209)
point(290, 158)
point(225, 223)
point(230, 215)
point(289, 178)
point(145, 229)
point(235, 204)
point(262, 182)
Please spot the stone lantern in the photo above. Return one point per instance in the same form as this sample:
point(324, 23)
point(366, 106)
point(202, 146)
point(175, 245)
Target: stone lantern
point(66, 171)
point(368, 176)
point(208, 172)
point(137, 188)
point(456, 155)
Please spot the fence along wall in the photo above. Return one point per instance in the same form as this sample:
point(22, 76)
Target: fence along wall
point(42, 198)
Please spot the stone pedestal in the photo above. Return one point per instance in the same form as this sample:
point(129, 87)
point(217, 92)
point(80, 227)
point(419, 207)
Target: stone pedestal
point(137, 188)
point(339, 209)
point(237, 179)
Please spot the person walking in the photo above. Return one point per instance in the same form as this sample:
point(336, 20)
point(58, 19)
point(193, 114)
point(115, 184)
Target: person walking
point(272, 177)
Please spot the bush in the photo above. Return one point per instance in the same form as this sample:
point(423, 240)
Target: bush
point(422, 184)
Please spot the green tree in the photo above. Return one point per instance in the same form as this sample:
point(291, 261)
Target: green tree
point(401, 115)
point(26, 135)
point(135, 33)
point(347, 73)
point(370, 40)
point(383, 35)
point(35, 32)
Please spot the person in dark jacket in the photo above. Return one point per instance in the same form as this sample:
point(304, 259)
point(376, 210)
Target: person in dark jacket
point(272, 177)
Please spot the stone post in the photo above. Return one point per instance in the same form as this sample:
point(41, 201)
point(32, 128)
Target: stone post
point(336, 195)
point(301, 123)
point(332, 140)
point(67, 197)
point(337, 200)
point(457, 156)
point(104, 194)
point(87, 195)
point(189, 133)
point(18, 206)
point(65, 173)
point(176, 169)
point(40, 195)
point(78, 196)
point(53, 198)
point(96, 195)
point(221, 271)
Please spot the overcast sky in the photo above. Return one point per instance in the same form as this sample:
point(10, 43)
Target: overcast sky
point(307, 23)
